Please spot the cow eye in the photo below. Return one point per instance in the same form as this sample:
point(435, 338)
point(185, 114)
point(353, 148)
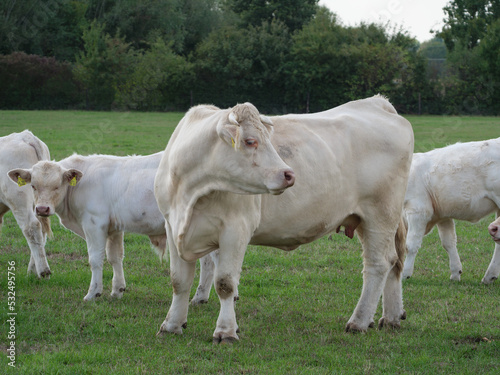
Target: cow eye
point(250, 142)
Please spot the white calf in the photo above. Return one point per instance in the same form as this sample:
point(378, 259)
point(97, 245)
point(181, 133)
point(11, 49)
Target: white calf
point(460, 182)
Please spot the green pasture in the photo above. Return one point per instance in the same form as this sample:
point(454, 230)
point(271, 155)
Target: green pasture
point(293, 306)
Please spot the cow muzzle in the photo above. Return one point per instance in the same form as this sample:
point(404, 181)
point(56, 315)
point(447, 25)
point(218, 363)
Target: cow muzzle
point(287, 178)
point(43, 211)
point(494, 231)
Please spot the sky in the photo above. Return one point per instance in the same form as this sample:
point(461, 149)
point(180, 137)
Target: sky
point(415, 16)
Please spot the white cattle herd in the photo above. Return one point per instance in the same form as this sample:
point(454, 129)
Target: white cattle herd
point(233, 177)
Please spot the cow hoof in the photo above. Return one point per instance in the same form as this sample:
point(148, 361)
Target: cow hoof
point(354, 328)
point(488, 280)
point(403, 315)
point(372, 324)
point(46, 274)
point(118, 294)
point(383, 323)
point(169, 328)
point(199, 301)
point(225, 340)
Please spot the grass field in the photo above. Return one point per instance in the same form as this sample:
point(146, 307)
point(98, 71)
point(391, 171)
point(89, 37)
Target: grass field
point(293, 306)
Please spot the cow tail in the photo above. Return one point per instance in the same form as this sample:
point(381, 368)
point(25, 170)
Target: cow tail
point(46, 229)
point(401, 248)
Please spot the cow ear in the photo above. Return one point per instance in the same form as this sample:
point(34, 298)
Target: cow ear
point(73, 176)
point(229, 132)
point(268, 123)
point(20, 176)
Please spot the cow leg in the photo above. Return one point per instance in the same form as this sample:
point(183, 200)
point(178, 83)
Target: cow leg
point(3, 210)
point(227, 277)
point(416, 232)
point(207, 267)
point(114, 253)
point(493, 270)
point(32, 230)
point(379, 257)
point(182, 276)
point(96, 238)
point(448, 237)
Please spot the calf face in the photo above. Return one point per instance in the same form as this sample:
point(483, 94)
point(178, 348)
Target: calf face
point(49, 182)
point(253, 166)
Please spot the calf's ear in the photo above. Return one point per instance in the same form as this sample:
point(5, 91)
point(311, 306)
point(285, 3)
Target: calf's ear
point(229, 131)
point(73, 176)
point(20, 176)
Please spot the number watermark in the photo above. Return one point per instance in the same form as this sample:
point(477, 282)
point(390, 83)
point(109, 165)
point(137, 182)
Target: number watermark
point(11, 314)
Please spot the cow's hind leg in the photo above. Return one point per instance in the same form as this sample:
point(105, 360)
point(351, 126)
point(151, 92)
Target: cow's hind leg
point(379, 257)
point(182, 276)
point(207, 268)
point(448, 237)
point(3, 210)
point(416, 231)
point(114, 253)
point(493, 270)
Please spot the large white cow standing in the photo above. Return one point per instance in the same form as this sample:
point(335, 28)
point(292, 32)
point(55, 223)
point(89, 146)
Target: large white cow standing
point(100, 197)
point(350, 166)
point(23, 150)
point(460, 181)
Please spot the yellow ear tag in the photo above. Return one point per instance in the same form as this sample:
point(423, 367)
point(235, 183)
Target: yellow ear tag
point(232, 143)
point(73, 182)
point(20, 181)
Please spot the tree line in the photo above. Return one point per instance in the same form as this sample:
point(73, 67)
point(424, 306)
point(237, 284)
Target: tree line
point(281, 55)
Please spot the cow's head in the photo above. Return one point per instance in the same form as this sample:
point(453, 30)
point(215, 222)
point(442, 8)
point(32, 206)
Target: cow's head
point(253, 165)
point(50, 183)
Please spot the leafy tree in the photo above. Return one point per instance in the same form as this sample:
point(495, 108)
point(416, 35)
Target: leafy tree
point(467, 20)
point(103, 65)
point(236, 65)
point(161, 80)
point(47, 28)
point(293, 13)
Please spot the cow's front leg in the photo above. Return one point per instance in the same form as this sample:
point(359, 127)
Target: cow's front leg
point(493, 270)
point(448, 237)
point(32, 230)
point(227, 277)
point(96, 244)
point(114, 253)
point(182, 275)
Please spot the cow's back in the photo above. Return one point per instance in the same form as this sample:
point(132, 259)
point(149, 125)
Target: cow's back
point(458, 181)
point(343, 159)
point(118, 188)
point(19, 150)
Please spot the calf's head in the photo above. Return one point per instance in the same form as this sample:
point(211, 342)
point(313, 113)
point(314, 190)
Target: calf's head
point(253, 166)
point(50, 183)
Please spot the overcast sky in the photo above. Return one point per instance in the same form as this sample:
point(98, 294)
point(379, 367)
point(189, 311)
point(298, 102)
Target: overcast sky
point(416, 16)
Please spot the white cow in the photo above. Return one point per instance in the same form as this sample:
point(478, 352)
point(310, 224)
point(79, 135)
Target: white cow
point(24, 150)
point(460, 182)
point(351, 165)
point(99, 197)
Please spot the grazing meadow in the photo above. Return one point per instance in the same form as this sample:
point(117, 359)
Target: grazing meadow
point(293, 306)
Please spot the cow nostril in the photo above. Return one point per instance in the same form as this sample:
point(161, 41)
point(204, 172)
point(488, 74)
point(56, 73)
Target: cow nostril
point(289, 176)
point(493, 229)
